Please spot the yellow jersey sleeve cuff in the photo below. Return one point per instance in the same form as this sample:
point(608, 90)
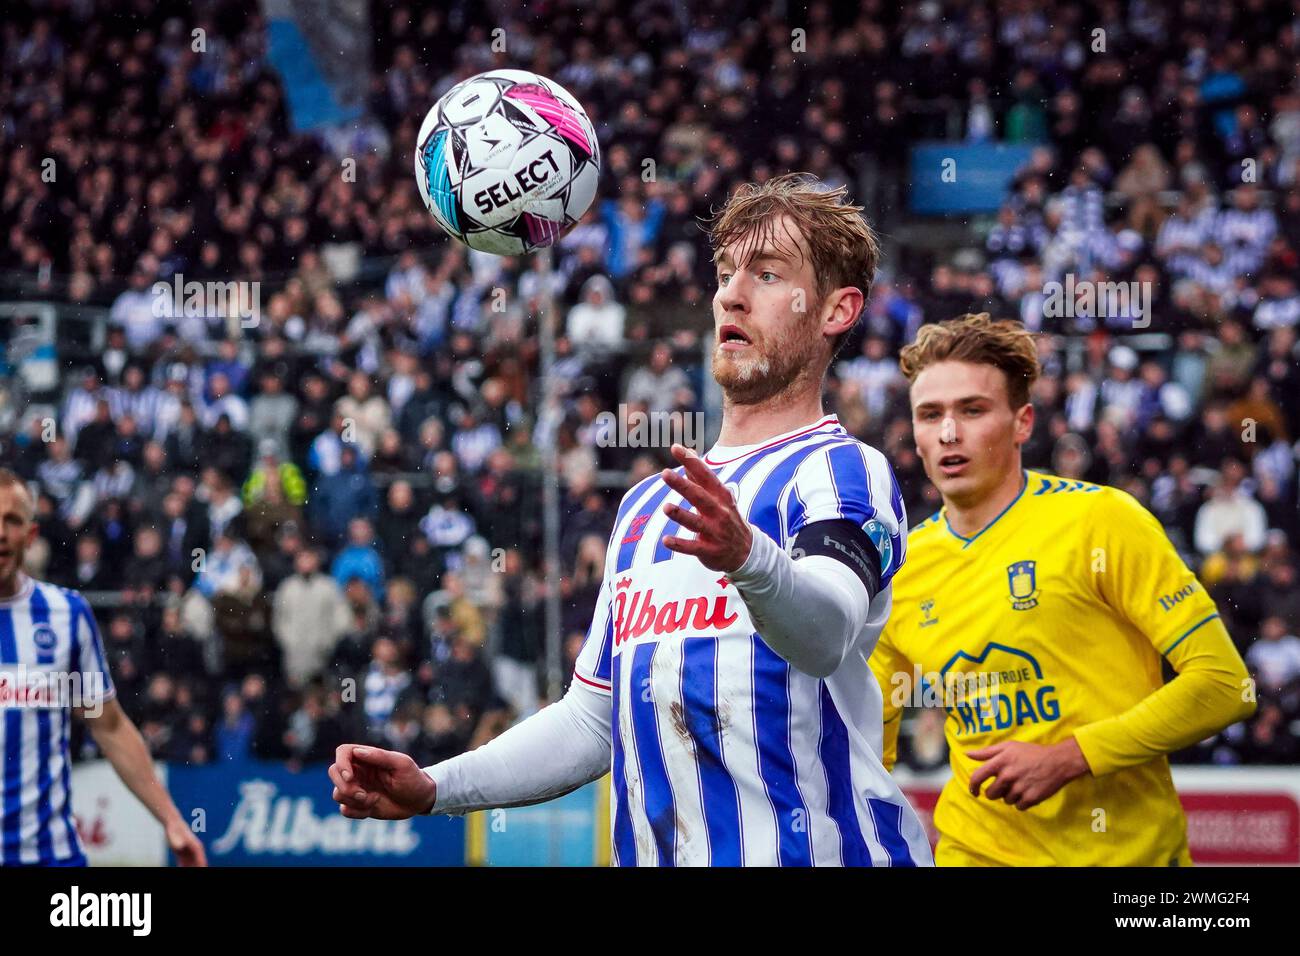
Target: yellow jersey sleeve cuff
point(1098, 750)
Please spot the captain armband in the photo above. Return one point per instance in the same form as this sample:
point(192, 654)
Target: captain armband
point(847, 543)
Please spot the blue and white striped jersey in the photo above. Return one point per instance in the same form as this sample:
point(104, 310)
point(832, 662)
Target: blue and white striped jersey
point(51, 659)
point(723, 753)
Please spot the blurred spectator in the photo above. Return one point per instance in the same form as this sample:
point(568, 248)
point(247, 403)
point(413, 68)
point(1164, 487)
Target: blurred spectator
point(273, 411)
point(175, 650)
point(309, 617)
point(343, 496)
point(185, 533)
point(359, 560)
point(1230, 510)
point(874, 375)
point(1275, 658)
point(463, 680)
point(446, 526)
point(440, 736)
point(285, 473)
point(656, 383)
point(521, 634)
point(263, 519)
point(398, 522)
point(147, 568)
point(365, 415)
point(223, 570)
point(314, 729)
point(595, 324)
point(242, 619)
point(466, 617)
point(234, 733)
point(384, 683)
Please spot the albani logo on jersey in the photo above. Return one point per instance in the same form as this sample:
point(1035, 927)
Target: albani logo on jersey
point(638, 612)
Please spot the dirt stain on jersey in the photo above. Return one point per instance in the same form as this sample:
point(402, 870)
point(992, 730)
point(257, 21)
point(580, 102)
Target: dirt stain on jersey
point(678, 717)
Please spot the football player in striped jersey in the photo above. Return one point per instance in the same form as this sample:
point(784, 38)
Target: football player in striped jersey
point(724, 680)
point(51, 667)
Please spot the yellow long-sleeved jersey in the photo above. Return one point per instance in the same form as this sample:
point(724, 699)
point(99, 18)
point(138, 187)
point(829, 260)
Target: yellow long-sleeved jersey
point(1051, 623)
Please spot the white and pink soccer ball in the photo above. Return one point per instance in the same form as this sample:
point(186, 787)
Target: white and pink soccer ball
point(507, 161)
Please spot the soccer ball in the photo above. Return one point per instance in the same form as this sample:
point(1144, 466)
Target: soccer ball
point(507, 162)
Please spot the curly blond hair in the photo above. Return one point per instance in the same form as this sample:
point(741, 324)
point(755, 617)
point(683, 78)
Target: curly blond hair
point(977, 338)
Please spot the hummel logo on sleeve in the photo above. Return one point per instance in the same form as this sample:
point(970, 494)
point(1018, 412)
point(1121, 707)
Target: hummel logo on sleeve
point(847, 543)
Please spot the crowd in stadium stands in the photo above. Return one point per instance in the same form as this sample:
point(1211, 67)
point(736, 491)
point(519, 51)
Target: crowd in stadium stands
point(324, 524)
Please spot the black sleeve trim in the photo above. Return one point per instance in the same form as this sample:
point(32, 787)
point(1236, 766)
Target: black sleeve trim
point(847, 543)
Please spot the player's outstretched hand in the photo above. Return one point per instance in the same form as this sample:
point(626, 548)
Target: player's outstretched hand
point(379, 784)
point(1026, 774)
point(185, 845)
point(722, 535)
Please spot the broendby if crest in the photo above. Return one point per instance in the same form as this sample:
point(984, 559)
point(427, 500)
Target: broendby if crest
point(1022, 583)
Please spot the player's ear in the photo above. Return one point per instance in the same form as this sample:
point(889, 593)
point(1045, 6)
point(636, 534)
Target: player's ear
point(1024, 419)
point(846, 306)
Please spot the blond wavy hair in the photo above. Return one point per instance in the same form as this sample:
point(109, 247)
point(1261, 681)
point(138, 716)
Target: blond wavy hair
point(979, 339)
point(841, 244)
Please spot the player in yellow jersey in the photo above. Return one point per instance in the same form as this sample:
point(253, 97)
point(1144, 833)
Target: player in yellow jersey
point(1037, 610)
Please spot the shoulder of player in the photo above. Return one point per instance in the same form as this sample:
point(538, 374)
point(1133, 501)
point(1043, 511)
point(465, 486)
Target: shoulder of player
point(1087, 507)
point(1117, 505)
point(632, 502)
point(635, 492)
point(76, 600)
point(1042, 489)
point(925, 551)
point(1053, 491)
point(925, 529)
point(836, 452)
point(1094, 507)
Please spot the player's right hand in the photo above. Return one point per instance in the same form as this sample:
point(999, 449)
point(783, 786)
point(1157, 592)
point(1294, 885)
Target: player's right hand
point(379, 784)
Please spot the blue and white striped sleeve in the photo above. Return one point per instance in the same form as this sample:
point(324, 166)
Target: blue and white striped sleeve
point(593, 664)
point(854, 482)
point(88, 654)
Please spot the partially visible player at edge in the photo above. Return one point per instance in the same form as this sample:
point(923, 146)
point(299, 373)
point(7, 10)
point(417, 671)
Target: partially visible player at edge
point(49, 634)
point(1066, 597)
point(724, 679)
